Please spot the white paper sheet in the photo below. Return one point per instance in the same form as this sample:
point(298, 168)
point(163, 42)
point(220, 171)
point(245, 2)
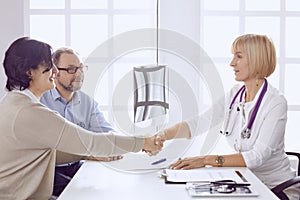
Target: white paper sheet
point(202, 174)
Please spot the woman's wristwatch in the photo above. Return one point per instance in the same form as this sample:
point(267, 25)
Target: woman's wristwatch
point(220, 160)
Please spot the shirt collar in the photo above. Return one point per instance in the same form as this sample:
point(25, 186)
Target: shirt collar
point(56, 96)
point(256, 96)
point(28, 93)
point(250, 105)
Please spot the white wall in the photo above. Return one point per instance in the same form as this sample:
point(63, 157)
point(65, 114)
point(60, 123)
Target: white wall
point(186, 80)
point(12, 27)
point(177, 16)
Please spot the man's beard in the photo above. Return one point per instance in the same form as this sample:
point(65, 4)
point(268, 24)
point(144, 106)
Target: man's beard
point(69, 87)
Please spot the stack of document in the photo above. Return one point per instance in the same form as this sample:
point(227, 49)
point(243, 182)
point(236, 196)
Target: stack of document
point(201, 175)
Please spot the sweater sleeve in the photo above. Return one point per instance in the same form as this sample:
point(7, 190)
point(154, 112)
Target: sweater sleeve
point(40, 127)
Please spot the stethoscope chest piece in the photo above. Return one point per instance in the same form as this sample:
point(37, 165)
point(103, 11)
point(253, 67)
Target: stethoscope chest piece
point(246, 133)
point(225, 189)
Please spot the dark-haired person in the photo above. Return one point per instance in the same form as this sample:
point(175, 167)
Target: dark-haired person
point(31, 133)
point(255, 119)
point(74, 105)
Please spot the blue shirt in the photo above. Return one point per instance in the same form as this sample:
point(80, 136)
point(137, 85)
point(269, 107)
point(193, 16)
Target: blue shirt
point(81, 110)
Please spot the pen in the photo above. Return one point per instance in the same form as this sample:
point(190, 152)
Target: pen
point(159, 161)
point(241, 176)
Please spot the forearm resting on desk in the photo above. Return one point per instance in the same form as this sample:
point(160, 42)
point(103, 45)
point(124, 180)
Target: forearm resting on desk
point(233, 160)
point(64, 158)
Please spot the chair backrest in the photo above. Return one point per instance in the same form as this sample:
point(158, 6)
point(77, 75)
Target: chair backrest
point(150, 92)
point(295, 163)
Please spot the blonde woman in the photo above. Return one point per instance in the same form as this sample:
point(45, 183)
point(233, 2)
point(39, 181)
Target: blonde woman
point(255, 118)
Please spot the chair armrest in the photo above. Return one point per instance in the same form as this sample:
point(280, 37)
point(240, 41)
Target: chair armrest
point(293, 154)
point(278, 190)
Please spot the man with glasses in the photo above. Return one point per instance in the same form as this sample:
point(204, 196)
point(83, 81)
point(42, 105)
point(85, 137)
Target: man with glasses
point(74, 105)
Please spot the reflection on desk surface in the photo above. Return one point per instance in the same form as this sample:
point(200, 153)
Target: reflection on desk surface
point(137, 161)
point(96, 180)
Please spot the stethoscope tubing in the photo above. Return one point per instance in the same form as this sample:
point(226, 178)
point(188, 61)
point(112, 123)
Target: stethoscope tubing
point(246, 133)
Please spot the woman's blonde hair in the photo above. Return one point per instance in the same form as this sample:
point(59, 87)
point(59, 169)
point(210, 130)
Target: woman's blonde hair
point(260, 51)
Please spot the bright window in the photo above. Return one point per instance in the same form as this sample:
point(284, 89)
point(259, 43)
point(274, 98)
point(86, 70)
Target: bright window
point(222, 23)
point(85, 24)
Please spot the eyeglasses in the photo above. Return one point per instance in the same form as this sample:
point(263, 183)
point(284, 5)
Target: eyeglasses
point(73, 69)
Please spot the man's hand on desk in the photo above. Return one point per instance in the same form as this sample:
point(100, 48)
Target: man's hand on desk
point(152, 146)
point(104, 159)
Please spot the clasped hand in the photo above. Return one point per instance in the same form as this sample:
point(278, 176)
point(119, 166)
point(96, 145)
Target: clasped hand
point(154, 144)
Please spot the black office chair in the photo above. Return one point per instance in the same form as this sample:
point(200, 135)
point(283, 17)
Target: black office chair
point(278, 190)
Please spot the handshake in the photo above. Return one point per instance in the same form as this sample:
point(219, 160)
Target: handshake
point(155, 143)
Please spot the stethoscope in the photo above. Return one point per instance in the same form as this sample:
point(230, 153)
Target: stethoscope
point(246, 132)
point(222, 186)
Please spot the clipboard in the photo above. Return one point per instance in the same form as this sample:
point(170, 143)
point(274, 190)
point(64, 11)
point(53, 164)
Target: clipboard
point(201, 175)
point(196, 178)
point(173, 182)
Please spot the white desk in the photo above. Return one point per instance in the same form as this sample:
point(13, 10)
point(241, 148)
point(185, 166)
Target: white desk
point(96, 181)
